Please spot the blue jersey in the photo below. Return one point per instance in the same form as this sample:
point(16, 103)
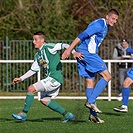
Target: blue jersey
point(96, 32)
point(130, 73)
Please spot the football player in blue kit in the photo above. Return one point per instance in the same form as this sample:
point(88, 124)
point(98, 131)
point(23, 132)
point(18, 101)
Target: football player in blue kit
point(126, 88)
point(88, 43)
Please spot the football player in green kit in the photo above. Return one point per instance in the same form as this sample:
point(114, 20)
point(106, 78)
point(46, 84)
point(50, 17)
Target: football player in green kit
point(48, 58)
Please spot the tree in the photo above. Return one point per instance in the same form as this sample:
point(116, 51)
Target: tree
point(61, 19)
point(27, 16)
point(85, 11)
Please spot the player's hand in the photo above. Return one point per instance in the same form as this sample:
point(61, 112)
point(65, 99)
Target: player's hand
point(78, 55)
point(16, 80)
point(65, 54)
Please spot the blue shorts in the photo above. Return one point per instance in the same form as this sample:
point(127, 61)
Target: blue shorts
point(90, 65)
point(130, 73)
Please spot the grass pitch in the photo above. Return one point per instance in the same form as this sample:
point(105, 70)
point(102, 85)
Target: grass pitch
point(43, 120)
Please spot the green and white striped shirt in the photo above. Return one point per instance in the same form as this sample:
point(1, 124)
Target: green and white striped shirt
point(49, 60)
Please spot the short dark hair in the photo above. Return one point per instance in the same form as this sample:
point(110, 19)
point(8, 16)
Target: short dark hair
point(40, 33)
point(113, 11)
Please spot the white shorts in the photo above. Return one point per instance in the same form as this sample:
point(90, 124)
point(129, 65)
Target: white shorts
point(48, 87)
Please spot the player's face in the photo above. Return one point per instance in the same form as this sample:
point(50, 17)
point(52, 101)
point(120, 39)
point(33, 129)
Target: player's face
point(111, 19)
point(38, 41)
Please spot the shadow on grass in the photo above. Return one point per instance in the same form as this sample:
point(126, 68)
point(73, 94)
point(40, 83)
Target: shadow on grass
point(29, 120)
point(10, 120)
point(44, 119)
point(40, 120)
point(5, 119)
point(54, 119)
point(114, 114)
point(78, 121)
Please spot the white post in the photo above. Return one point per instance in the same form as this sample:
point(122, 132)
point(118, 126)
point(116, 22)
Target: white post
point(109, 83)
point(38, 77)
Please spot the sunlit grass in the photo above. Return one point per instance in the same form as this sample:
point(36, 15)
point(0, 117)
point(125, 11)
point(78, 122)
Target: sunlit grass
point(43, 120)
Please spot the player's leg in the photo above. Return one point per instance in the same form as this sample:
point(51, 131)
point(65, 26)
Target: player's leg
point(126, 91)
point(93, 117)
point(125, 95)
point(90, 83)
point(99, 87)
point(53, 105)
point(94, 64)
point(51, 91)
point(89, 92)
point(28, 102)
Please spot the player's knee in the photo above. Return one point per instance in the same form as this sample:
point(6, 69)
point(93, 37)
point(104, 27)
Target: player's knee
point(107, 78)
point(90, 83)
point(31, 89)
point(106, 75)
point(45, 101)
point(127, 82)
point(125, 85)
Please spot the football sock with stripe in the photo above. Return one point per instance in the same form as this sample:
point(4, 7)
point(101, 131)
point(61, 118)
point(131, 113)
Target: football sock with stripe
point(89, 91)
point(28, 102)
point(97, 90)
point(125, 96)
point(56, 107)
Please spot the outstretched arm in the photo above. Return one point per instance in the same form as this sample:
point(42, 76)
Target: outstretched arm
point(67, 52)
point(60, 46)
point(26, 75)
point(75, 54)
point(81, 37)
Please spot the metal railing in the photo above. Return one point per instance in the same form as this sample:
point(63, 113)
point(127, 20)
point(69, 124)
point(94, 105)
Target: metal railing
point(72, 83)
point(12, 52)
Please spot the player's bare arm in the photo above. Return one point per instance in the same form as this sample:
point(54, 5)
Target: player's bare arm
point(67, 52)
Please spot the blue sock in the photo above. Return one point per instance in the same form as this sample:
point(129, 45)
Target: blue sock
point(125, 96)
point(89, 91)
point(97, 90)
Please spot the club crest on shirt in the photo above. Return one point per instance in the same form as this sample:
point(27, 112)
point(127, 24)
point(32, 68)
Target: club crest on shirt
point(43, 63)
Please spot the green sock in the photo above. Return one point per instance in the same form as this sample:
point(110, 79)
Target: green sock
point(56, 107)
point(28, 102)
point(67, 115)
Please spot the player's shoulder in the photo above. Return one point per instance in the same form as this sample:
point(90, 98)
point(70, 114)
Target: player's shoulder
point(49, 45)
point(100, 22)
point(36, 55)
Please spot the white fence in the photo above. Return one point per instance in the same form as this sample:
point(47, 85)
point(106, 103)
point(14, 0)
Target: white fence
point(109, 97)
